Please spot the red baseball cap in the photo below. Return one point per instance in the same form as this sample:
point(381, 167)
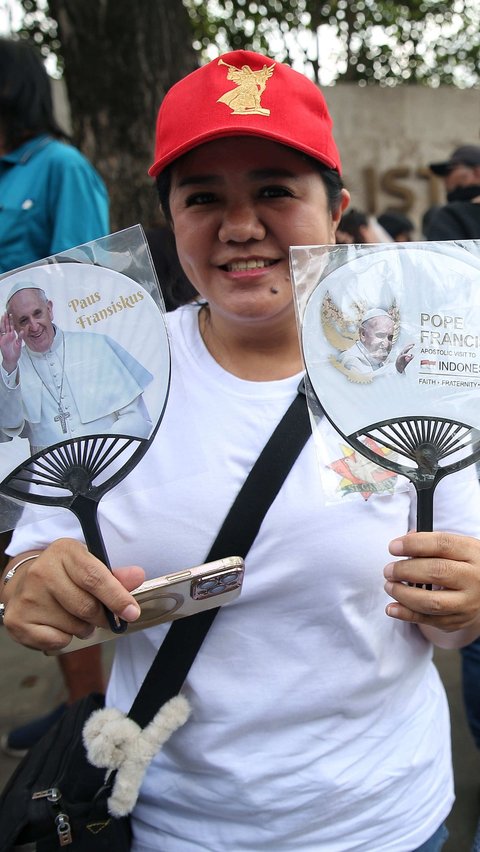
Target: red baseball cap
point(244, 94)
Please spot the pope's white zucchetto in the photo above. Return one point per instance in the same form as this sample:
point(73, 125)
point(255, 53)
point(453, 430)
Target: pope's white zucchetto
point(375, 312)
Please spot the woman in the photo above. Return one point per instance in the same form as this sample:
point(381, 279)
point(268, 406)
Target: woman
point(319, 721)
point(51, 198)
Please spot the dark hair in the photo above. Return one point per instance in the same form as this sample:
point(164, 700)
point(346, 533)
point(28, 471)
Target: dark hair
point(333, 183)
point(351, 222)
point(331, 179)
point(26, 106)
point(175, 286)
point(395, 222)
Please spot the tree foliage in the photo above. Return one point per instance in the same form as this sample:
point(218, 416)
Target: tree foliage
point(415, 41)
point(362, 41)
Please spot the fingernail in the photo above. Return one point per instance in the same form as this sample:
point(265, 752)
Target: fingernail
point(396, 547)
point(392, 610)
point(388, 571)
point(388, 588)
point(130, 613)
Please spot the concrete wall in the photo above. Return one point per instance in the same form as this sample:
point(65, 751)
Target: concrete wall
point(386, 139)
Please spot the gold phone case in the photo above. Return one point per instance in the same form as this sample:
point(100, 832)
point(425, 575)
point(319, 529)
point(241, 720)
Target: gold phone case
point(177, 595)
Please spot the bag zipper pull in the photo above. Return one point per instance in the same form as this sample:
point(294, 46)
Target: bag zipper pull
point(62, 821)
point(53, 794)
point(64, 829)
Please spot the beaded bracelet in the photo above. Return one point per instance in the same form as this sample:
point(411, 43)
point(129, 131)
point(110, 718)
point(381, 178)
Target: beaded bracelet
point(14, 568)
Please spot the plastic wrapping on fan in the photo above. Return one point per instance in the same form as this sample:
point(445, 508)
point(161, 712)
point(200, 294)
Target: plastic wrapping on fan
point(390, 336)
point(97, 364)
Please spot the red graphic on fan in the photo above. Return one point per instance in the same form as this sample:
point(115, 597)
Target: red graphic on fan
point(359, 475)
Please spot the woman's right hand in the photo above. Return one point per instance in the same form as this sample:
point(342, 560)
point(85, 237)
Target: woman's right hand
point(60, 594)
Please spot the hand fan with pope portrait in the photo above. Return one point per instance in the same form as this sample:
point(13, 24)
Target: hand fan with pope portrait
point(90, 383)
point(391, 342)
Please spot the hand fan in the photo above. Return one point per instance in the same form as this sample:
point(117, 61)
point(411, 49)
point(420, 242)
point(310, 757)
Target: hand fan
point(391, 343)
point(88, 390)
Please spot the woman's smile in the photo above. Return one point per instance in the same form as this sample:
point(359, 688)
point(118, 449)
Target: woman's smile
point(234, 226)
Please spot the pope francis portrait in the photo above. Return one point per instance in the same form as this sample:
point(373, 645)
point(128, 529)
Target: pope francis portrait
point(56, 385)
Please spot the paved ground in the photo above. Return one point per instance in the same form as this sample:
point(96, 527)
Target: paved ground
point(31, 686)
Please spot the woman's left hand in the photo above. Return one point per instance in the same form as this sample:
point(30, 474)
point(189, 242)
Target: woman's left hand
point(450, 564)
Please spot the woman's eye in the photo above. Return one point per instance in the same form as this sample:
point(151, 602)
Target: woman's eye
point(199, 198)
point(275, 191)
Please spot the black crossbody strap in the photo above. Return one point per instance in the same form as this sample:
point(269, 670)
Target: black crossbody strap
point(239, 529)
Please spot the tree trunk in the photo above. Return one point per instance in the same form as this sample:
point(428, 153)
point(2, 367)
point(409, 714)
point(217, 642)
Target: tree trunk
point(120, 59)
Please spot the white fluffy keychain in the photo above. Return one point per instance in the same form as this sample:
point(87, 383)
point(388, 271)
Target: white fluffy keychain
point(113, 741)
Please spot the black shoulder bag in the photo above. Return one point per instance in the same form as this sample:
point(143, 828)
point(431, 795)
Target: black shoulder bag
point(55, 797)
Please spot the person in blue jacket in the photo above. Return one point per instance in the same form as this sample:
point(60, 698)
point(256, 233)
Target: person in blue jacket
point(51, 198)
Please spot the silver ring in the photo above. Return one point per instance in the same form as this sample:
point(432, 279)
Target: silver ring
point(2, 612)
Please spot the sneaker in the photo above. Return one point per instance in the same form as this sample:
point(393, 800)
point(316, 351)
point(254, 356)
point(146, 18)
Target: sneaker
point(20, 740)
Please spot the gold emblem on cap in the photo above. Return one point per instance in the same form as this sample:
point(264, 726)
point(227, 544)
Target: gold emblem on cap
point(245, 99)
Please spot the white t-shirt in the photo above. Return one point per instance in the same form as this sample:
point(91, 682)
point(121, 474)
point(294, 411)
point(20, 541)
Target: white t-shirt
point(318, 722)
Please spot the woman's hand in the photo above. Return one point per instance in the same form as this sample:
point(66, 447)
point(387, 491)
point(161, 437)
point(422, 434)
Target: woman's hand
point(60, 595)
point(449, 614)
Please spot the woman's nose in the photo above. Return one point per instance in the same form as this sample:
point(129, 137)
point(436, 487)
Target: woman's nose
point(240, 223)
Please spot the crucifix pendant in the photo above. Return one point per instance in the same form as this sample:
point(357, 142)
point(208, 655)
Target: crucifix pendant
point(62, 418)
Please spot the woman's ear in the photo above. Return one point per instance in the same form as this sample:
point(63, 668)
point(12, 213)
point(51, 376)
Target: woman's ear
point(344, 202)
point(339, 211)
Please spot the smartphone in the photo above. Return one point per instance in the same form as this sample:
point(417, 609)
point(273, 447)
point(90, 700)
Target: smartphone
point(175, 596)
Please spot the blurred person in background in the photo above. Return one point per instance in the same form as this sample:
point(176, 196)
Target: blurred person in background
point(356, 227)
point(427, 217)
point(397, 225)
point(459, 219)
point(51, 198)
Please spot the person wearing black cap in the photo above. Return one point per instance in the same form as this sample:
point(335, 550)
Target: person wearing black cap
point(459, 219)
